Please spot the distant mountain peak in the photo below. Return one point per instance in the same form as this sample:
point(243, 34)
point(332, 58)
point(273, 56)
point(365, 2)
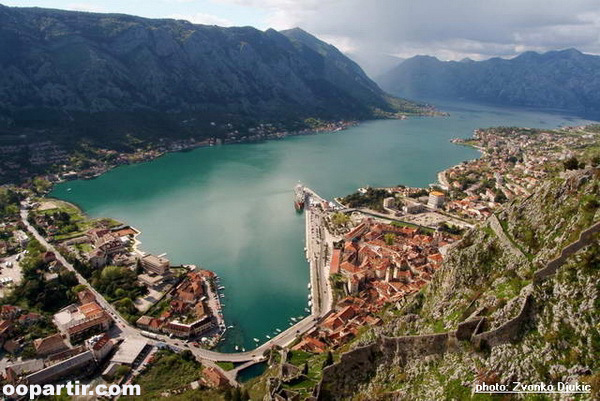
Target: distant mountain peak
point(570, 50)
point(295, 30)
point(301, 35)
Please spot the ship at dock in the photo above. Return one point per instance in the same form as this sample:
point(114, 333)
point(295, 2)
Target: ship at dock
point(299, 197)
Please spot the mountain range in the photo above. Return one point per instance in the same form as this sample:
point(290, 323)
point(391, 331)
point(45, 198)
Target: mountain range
point(565, 79)
point(98, 73)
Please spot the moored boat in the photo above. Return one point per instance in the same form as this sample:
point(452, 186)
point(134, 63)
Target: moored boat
point(299, 197)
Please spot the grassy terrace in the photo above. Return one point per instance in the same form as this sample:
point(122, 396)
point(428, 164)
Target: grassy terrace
point(426, 230)
point(71, 221)
point(226, 365)
point(315, 368)
point(169, 376)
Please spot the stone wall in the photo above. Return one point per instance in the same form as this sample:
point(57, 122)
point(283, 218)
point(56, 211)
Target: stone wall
point(401, 349)
point(503, 238)
point(507, 332)
point(585, 238)
point(465, 330)
point(340, 379)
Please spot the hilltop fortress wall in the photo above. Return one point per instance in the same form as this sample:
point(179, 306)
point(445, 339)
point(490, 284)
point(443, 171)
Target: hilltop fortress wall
point(585, 238)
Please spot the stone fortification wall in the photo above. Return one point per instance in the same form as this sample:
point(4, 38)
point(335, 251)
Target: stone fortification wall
point(585, 238)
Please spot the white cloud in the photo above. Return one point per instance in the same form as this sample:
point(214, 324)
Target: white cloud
point(202, 18)
point(447, 29)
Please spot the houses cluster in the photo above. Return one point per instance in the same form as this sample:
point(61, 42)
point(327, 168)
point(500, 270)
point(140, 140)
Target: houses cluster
point(341, 326)
point(108, 244)
point(39, 153)
point(20, 160)
point(377, 263)
point(388, 260)
point(263, 132)
point(513, 164)
point(13, 321)
point(78, 321)
point(15, 238)
point(188, 314)
point(80, 345)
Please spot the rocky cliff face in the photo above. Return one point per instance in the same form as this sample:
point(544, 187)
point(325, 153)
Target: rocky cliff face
point(61, 67)
point(565, 79)
point(513, 327)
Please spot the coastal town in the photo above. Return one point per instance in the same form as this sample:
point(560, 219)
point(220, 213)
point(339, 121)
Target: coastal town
point(81, 299)
point(54, 162)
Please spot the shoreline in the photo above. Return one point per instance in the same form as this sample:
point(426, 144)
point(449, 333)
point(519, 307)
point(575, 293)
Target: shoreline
point(441, 175)
point(328, 128)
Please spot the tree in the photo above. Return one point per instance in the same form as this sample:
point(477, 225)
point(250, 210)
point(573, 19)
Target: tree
point(305, 368)
point(187, 355)
point(78, 288)
point(236, 395)
point(340, 219)
point(41, 185)
point(121, 371)
point(389, 238)
point(139, 269)
point(328, 360)
point(571, 163)
point(500, 197)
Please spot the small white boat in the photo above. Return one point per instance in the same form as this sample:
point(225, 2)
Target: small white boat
point(230, 327)
point(291, 324)
point(309, 296)
point(222, 295)
point(221, 288)
point(256, 340)
point(68, 189)
point(293, 319)
point(237, 348)
point(278, 330)
point(268, 336)
point(306, 310)
point(243, 349)
point(309, 304)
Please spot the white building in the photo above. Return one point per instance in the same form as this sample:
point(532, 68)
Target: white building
point(436, 199)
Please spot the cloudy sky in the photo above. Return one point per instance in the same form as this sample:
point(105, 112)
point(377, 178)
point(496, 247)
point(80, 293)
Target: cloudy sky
point(377, 32)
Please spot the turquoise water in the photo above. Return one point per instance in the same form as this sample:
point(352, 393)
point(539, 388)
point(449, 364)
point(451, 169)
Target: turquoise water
point(230, 208)
point(251, 372)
